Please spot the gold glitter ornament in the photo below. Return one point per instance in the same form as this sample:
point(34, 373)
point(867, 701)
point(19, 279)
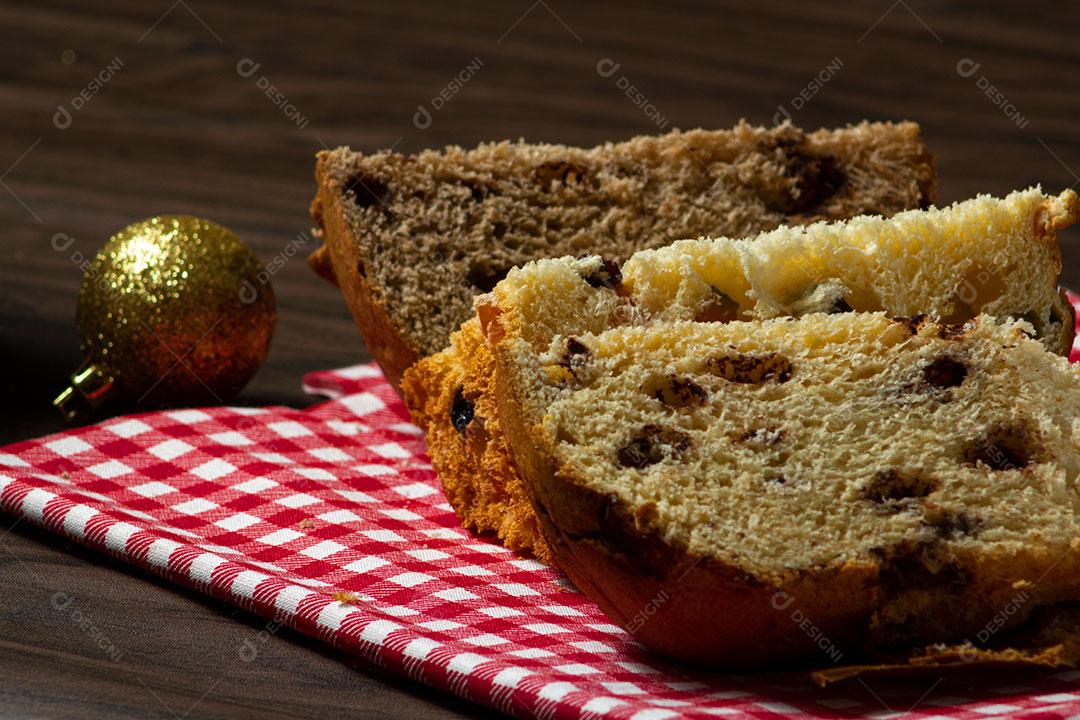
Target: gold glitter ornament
point(173, 310)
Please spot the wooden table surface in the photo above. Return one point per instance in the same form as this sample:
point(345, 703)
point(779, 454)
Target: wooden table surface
point(182, 123)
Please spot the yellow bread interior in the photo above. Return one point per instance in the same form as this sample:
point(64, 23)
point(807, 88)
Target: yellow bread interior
point(997, 255)
point(994, 255)
point(788, 445)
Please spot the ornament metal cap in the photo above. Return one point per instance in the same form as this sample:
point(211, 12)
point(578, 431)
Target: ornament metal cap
point(87, 393)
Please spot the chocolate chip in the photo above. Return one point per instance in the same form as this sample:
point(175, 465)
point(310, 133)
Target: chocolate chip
point(909, 565)
point(576, 347)
point(563, 172)
point(361, 269)
point(954, 331)
point(1007, 446)
point(498, 229)
point(576, 354)
point(816, 178)
point(1003, 457)
point(912, 323)
point(675, 391)
point(945, 372)
point(608, 275)
point(950, 525)
point(891, 487)
point(639, 453)
point(719, 308)
point(484, 277)
point(840, 305)
point(751, 368)
point(819, 178)
point(367, 191)
point(648, 446)
point(461, 412)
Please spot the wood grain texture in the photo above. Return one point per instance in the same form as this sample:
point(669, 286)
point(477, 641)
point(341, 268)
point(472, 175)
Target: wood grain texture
point(179, 129)
point(81, 636)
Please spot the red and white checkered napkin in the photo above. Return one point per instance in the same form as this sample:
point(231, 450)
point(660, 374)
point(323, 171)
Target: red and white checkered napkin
point(281, 511)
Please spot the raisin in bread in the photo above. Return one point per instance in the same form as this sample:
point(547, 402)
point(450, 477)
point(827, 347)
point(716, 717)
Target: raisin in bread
point(998, 256)
point(410, 239)
point(895, 480)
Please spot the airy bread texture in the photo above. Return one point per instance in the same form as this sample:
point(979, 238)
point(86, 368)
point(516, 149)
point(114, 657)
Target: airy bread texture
point(984, 255)
point(992, 255)
point(410, 239)
point(896, 480)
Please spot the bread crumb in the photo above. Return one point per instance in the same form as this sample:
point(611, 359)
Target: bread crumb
point(345, 598)
point(306, 524)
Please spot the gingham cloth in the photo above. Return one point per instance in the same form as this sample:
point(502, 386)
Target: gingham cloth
point(331, 520)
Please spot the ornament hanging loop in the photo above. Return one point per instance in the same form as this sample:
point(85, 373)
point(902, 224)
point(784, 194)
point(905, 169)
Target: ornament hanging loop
point(89, 390)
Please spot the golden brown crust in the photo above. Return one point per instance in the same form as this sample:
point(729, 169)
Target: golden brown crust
point(474, 465)
point(338, 260)
point(319, 261)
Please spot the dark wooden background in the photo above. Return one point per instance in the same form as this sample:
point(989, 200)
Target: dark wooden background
point(178, 129)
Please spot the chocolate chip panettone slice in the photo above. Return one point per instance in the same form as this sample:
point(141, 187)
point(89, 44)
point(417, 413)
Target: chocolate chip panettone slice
point(894, 480)
point(410, 239)
point(993, 255)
